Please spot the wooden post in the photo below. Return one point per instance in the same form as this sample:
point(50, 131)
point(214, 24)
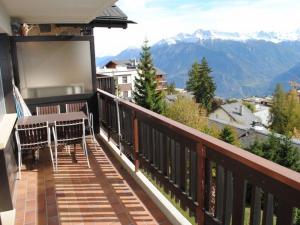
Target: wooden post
point(136, 141)
point(200, 183)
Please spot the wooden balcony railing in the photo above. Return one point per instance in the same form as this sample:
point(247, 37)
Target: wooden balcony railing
point(107, 84)
point(214, 180)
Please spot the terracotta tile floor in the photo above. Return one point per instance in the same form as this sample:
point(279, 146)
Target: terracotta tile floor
point(105, 194)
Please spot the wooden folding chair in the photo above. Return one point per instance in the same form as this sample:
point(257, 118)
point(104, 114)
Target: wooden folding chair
point(50, 109)
point(83, 106)
point(69, 132)
point(33, 137)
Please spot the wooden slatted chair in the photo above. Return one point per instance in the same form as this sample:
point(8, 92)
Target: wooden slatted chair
point(83, 106)
point(67, 133)
point(49, 109)
point(33, 137)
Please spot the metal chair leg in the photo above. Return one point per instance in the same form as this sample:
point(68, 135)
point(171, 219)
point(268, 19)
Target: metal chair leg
point(56, 160)
point(20, 163)
point(84, 146)
point(51, 155)
point(68, 149)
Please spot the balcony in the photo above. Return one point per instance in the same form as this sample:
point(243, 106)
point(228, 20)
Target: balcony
point(143, 158)
point(216, 183)
point(76, 194)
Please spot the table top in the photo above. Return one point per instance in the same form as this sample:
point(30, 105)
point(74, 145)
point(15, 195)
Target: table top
point(51, 118)
point(7, 125)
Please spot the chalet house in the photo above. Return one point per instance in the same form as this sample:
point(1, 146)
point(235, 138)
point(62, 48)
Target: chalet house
point(125, 73)
point(235, 114)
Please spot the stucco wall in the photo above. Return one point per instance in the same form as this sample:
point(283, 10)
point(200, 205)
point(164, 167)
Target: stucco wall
point(220, 114)
point(4, 20)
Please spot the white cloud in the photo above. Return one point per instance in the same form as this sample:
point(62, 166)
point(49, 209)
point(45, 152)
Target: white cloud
point(156, 21)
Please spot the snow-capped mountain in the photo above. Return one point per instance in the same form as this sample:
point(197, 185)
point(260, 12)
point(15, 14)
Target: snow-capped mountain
point(240, 67)
point(201, 35)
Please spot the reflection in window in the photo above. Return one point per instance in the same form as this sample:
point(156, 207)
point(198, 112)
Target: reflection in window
point(54, 68)
point(2, 100)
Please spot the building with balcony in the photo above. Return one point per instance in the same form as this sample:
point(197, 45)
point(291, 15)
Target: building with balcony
point(125, 73)
point(139, 163)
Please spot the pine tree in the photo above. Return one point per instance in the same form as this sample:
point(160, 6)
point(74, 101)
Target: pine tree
point(193, 77)
point(278, 149)
point(201, 84)
point(287, 155)
point(145, 93)
point(228, 135)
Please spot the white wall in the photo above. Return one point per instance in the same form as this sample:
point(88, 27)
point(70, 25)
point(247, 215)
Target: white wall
point(220, 114)
point(4, 20)
point(54, 68)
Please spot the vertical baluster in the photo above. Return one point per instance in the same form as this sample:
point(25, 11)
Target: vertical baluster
point(182, 171)
point(161, 152)
point(284, 213)
point(164, 159)
point(219, 193)
point(177, 164)
point(239, 185)
point(200, 183)
point(268, 210)
point(136, 141)
point(173, 163)
point(255, 206)
point(193, 175)
point(228, 198)
point(208, 170)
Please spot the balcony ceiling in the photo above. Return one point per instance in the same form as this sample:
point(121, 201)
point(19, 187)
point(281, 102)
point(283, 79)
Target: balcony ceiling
point(55, 11)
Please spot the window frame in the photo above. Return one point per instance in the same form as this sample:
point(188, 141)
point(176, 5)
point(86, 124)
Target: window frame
point(90, 39)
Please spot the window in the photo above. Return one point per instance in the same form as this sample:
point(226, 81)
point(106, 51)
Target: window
point(54, 68)
point(2, 100)
point(125, 94)
point(124, 80)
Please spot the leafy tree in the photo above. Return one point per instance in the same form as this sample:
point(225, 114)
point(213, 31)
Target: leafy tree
point(229, 135)
point(187, 111)
point(285, 112)
point(278, 149)
point(145, 93)
point(257, 148)
point(287, 155)
point(171, 89)
point(201, 84)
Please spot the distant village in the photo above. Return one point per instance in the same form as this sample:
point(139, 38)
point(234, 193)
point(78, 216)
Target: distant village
point(251, 123)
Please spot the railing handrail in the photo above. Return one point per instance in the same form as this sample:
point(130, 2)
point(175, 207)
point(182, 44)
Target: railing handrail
point(269, 168)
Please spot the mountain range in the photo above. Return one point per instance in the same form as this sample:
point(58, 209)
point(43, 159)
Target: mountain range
point(243, 64)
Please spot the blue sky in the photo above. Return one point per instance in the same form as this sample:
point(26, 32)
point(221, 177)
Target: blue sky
point(158, 19)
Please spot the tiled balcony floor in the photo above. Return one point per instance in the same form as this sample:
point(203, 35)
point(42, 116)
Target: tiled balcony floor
point(105, 194)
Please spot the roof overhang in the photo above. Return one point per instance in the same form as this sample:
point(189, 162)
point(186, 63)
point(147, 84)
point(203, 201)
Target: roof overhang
point(56, 11)
point(112, 17)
